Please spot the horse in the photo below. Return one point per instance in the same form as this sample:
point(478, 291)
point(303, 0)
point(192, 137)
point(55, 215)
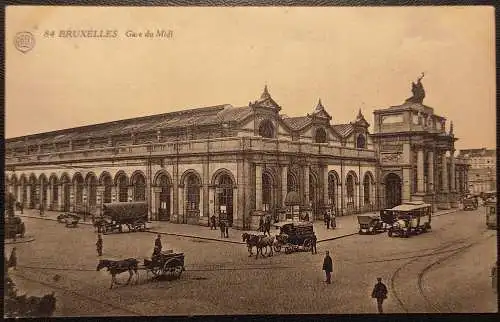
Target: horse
point(251, 241)
point(265, 241)
point(117, 267)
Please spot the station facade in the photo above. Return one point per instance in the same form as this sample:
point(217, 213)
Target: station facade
point(240, 161)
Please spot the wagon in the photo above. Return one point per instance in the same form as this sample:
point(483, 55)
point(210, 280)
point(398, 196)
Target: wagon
point(297, 236)
point(167, 264)
point(370, 224)
point(131, 214)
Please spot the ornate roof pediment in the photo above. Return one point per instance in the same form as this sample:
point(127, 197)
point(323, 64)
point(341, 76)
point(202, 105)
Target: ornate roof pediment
point(320, 112)
point(266, 101)
point(360, 120)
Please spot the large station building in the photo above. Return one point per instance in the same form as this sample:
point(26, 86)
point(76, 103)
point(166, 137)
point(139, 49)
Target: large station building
point(241, 161)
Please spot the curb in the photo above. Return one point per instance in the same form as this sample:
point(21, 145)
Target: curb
point(197, 237)
point(52, 219)
point(18, 241)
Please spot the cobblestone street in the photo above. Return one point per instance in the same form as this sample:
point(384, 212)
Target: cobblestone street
point(220, 278)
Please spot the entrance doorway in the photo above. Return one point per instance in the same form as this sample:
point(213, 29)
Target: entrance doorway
point(224, 192)
point(392, 190)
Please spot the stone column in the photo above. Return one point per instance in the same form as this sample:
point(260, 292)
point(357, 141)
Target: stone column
point(430, 172)
point(443, 198)
point(211, 197)
point(180, 205)
point(325, 186)
point(306, 185)
point(50, 191)
point(60, 202)
point(284, 184)
point(114, 194)
point(28, 196)
point(258, 187)
point(420, 171)
point(405, 196)
point(38, 194)
point(453, 187)
point(155, 202)
point(130, 193)
point(175, 194)
point(72, 204)
point(204, 210)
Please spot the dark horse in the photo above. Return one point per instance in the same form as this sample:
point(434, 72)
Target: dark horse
point(117, 267)
point(252, 241)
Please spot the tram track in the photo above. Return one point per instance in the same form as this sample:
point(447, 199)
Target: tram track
point(469, 242)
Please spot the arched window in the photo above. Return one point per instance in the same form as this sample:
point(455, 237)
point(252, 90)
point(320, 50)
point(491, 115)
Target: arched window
point(266, 129)
point(267, 189)
point(139, 184)
point(92, 186)
point(193, 192)
point(320, 136)
point(350, 190)
point(107, 183)
point(122, 189)
point(292, 183)
point(332, 189)
point(366, 190)
point(361, 142)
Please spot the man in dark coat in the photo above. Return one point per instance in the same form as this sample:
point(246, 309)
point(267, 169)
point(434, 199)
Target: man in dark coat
point(98, 245)
point(328, 267)
point(380, 293)
point(327, 218)
point(313, 245)
point(158, 242)
point(213, 225)
point(261, 224)
point(267, 226)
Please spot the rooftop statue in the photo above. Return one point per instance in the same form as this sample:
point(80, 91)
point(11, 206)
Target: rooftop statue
point(418, 91)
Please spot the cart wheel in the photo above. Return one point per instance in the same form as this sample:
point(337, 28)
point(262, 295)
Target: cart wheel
point(389, 233)
point(288, 249)
point(156, 270)
point(277, 248)
point(307, 245)
point(172, 268)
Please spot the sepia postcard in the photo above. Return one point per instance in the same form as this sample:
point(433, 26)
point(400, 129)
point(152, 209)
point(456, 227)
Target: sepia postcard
point(185, 161)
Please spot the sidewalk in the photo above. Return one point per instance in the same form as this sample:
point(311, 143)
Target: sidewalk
point(346, 226)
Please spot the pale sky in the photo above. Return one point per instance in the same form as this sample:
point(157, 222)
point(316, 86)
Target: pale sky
point(351, 58)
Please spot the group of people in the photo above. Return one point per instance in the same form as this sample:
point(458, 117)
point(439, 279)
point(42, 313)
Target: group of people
point(223, 225)
point(379, 290)
point(329, 219)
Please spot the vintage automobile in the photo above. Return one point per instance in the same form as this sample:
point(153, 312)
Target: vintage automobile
point(470, 203)
point(370, 224)
point(295, 236)
point(491, 213)
point(411, 218)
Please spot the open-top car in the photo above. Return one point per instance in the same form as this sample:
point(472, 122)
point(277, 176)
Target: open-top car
point(370, 224)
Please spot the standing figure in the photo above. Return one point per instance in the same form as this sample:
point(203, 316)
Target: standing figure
point(313, 245)
point(41, 210)
point(158, 242)
point(261, 225)
point(333, 223)
point(98, 245)
point(226, 224)
point(328, 219)
point(212, 221)
point(267, 226)
point(222, 227)
point(328, 267)
point(380, 293)
point(13, 259)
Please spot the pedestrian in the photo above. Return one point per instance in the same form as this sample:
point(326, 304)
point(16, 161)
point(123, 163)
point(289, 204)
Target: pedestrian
point(380, 293)
point(328, 267)
point(41, 210)
point(158, 242)
point(222, 227)
point(333, 220)
point(13, 259)
point(98, 245)
point(21, 206)
point(324, 217)
point(267, 226)
point(313, 245)
point(213, 225)
point(226, 224)
point(328, 219)
point(261, 225)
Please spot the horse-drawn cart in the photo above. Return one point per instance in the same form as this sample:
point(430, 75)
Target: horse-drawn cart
point(295, 236)
point(134, 215)
point(167, 264)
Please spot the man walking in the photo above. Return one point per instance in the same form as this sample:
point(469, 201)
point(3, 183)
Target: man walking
point(261, 225)
point(212, 220)
point(98, 245)
point(328, 267)
point(380, 293)
point(158, 242)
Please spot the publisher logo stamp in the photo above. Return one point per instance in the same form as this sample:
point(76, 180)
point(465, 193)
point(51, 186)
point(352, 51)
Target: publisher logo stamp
point(24, 41)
